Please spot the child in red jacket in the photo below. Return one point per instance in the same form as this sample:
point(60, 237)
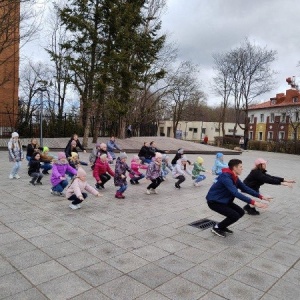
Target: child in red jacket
point(102, 171)
point(135, 166)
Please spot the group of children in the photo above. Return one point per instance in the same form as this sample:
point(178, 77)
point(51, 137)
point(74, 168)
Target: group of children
point(157, 169)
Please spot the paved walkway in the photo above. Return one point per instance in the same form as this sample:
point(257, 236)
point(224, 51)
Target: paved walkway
point(142, 247)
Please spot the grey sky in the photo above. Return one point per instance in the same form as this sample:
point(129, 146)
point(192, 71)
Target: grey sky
point(202, 27)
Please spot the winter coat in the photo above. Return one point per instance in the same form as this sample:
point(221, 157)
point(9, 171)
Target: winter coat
point(218, 166)
point(120, 169)
point(78, 186)
point(180, 170)
point(153, 171)
point(197, 169)
point(102, 167)
point(135, 166)
point(225, 189)
point(59, 169)
point(34, 166)
point(15, 152)
point(258, 177)
point(31, 149)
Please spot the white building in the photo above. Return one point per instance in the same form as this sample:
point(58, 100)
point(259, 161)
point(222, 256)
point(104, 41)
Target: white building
point(197, 130)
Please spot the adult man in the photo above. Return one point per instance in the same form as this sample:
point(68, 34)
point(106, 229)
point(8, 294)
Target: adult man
point(221, 195)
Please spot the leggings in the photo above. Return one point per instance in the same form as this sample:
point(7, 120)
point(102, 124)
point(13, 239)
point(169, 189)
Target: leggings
point(155, 183)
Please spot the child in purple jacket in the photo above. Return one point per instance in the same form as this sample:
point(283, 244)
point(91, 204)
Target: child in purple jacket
point(58, 176)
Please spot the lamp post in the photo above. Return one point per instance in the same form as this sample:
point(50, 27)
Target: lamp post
point(185, 133)
point(42, 89)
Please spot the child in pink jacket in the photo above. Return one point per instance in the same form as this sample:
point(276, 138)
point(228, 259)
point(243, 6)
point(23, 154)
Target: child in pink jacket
point(135, 166)
point(76, 191)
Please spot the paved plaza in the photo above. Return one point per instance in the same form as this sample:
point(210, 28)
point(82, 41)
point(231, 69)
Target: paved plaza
point(142, 247)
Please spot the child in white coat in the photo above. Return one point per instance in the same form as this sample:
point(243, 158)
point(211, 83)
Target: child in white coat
point(76, 191)
point(180, 170)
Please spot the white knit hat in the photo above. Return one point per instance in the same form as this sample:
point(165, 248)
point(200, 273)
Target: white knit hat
point(14, 134)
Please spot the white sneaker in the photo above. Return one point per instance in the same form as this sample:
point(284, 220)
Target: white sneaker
point(148, 192)
point(62, 194)
point(73, 206)
point(10, 176)
point(17, 176)
point(154, 191)
point(196, 183)
point(78, 205)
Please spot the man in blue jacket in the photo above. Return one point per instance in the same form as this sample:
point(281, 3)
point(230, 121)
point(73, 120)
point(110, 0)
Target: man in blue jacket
point(221, 195)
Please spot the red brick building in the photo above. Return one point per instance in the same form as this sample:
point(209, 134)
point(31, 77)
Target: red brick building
point(9, 64)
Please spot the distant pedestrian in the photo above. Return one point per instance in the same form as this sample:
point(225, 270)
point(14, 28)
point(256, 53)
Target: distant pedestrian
point(221, 195)
point(34, 169)
point(15, 155)
point(76, 192)
point(205, 140)
point(242, 142)
point(58, 176)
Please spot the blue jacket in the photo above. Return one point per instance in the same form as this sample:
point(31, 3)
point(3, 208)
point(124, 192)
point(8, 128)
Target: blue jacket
point(225, 189)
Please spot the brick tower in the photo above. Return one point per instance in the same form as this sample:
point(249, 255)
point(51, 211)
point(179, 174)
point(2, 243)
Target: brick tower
point(9, 64)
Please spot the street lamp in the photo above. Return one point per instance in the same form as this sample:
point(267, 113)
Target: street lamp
point(42, 89)
point(185, 133)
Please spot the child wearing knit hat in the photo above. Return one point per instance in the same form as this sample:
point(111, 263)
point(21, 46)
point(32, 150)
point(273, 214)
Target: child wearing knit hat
point(15, 154)
point(197, 169)
point(180, 170)
point(135, 166)
point(76, 191)
point(154, 174)
point(120, 175)
point(102, 171)
point(58, 177)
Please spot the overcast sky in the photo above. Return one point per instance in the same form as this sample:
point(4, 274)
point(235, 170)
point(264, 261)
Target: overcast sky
point(203, 27)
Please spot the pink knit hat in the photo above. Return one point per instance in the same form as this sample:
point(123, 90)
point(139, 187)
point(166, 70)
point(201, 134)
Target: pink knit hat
point(81, 172)
point(259, 161)
point(61, 155)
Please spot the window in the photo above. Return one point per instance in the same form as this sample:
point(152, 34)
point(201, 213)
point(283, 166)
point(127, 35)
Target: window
point(297, 116)
point(295, 99)
point(252, 119)
point(231, 130)
point(260, 136)
point(270, 135)
point(262, 118)
point(283, 116)
point(281, 135)
point(217, 129)
point(194, 130)
point(272, 118)
point(250, 135)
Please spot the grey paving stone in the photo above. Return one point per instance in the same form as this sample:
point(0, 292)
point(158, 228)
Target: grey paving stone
point(152, 295)
point(93, 294)
point(285, 290)
point(61, 249)
point(269, 297)
point(293, 276)
point(250, 247)
point(268, 266)
point(149, 236)
point(128, 288)
point(64, 287)
point(193, 254)
point(72, 233)
point(106, 251)
point(32, 231)
point(5, 267)
point(235, 290)
point(150, 253)
point(87, 241)
point(44, 272)
point(9, 237)
point(24, 224)
point(255, 278)
point(129, 243)
point(31, 294)
point(181, 289)
point(170, 245)
point(78, 260)
point(174, 264)
point(127, 262)
point(28, 259)
point(111, 234)
point(204, 277)
point(152, 275)
point(46, 240)
point(287, 248)
point(99, 273)
point(280, 257)
point(16, 248)
point(211, 296)
point(4, 229)
point(12, 284)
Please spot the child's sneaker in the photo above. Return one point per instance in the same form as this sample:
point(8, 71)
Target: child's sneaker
point(17, 176)
point(39, 183)
point(62, 194)
point(154, 191)
point(73, 206)
point(31, 182)
point(78, 205)
point(55, 193)
point(148, 192)
point(196, 183)
point(177, 186)
point(132, 182)
point(11, 176)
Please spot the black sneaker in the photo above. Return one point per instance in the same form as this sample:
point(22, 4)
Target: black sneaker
point(136, 182)
point(218, 232)
point(227, 230)
point(31, 182)
point(45, 172)
point(39, 182)
point(177, 186)
point(250, 210)
point(98, 186)
point(132, 182)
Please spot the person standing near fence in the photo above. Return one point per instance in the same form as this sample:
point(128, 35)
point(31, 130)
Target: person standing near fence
point(15, 154)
